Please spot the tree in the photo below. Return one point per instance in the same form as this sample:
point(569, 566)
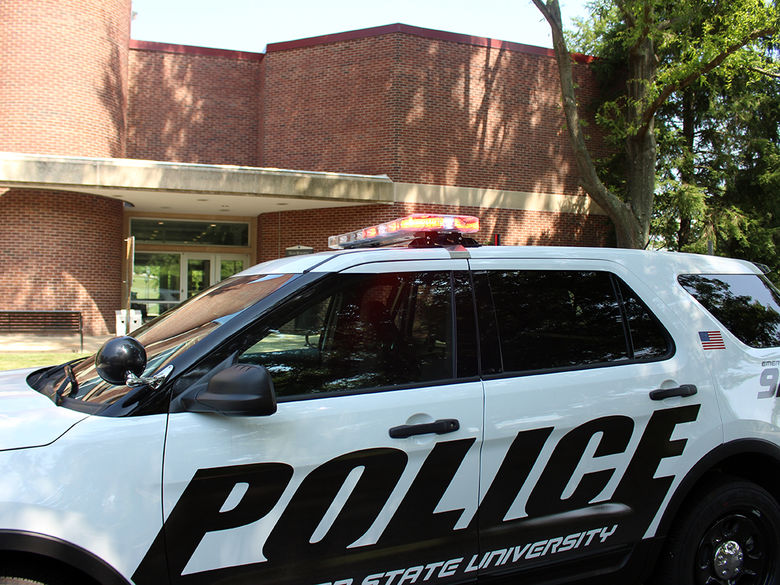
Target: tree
point(643, 34)
point(719, 156)
point(719, 163)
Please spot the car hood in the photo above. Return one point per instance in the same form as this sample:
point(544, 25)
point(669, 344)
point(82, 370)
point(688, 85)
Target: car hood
point(27, 418)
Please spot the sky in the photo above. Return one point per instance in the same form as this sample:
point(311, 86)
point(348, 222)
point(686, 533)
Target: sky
point(249, 25)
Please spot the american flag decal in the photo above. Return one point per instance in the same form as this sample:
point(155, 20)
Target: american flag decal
point(711, 340)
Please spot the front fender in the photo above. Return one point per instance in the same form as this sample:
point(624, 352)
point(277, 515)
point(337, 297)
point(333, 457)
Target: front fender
point(62, 552)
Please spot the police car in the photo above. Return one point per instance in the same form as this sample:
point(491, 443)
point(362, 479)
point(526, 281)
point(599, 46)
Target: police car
point(433, 412)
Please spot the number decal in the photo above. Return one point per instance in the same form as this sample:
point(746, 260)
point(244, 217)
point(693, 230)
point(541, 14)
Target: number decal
point(769, 378)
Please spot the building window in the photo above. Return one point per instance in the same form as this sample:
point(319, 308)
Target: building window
point(189, 232)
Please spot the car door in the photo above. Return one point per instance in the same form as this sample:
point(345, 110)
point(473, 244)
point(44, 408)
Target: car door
point(580, 454)
point(368, 472)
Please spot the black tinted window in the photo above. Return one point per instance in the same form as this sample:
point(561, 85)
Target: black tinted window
point(366, 331)
point(564, 319)
point(746, 304)
point(554, 319)
point(467, 345)
point(649, 339)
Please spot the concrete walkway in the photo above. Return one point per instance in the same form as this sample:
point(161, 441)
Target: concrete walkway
point(60, 343)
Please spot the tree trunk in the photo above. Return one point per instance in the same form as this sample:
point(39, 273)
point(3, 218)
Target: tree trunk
point(687, 173)
point(632, 218)
point(631, 233)
point(640, 147)
point(640, 186)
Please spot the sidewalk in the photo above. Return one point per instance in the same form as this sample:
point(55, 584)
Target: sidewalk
point(59, 343)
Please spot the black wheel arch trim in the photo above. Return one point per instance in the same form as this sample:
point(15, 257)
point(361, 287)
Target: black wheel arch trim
point(18, 541)
point(707, 464)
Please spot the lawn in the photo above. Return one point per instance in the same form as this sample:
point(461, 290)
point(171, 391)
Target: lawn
point(31, 359)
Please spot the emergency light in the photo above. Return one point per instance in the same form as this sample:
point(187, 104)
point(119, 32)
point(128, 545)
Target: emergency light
point(405, 228)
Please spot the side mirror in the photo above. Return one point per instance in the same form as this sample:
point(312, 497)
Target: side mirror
point(119, 357)
point(240, 390)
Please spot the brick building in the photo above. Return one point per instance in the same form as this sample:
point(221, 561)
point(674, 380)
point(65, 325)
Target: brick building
point(214, 160)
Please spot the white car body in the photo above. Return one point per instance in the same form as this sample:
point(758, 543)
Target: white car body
point(553, 475)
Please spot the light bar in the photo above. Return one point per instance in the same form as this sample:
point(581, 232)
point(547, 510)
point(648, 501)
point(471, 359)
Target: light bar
point(405, 228)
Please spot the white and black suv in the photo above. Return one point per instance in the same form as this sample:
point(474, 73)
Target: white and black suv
point(432, 414)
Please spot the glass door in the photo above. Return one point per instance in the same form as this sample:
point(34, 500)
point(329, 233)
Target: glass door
point(161, 280)
point(156, 283)
point(200, 271)
point(197, 273)
point(230, 264)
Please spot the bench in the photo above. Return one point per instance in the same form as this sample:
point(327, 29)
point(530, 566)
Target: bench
point(42, 321)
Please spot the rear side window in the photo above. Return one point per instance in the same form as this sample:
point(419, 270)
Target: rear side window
point(746, 304)
point(649, 340)
point(569, 319)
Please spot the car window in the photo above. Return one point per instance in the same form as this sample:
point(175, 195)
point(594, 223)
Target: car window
point(174, 332)
point(564, 319)
point(746, 304)
point(363, 331)
point(649, 339)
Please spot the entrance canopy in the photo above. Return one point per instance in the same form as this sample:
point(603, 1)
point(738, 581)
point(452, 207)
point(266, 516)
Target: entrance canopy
point(155, 186)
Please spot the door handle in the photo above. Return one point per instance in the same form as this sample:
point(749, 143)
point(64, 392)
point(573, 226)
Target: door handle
point(440, 427)
point(682, 390)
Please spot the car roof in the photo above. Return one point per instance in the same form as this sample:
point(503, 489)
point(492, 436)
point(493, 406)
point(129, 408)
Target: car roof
point(640, 261)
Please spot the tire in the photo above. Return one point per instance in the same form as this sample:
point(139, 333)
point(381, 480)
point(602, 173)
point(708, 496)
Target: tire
point(729, 536)
point(26, 574)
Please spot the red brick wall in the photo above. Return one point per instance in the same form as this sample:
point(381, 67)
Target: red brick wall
point(193, 108)
point(63, 78)
point(62, 251)
point(486, 117)
point(421, 110)
point(331, 107)
point(277, 231)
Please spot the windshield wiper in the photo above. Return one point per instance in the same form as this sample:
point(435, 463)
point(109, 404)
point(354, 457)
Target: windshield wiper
point(70, 378)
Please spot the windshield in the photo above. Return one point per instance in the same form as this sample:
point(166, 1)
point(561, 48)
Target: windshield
point(168, 336)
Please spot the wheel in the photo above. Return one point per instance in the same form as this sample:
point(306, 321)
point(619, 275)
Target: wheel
point(16, 573)
point(52, 580)
point(729, 536)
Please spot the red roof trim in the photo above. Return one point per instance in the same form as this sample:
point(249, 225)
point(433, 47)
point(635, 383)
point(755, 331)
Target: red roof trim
point(189, 50)
point(420, 32)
